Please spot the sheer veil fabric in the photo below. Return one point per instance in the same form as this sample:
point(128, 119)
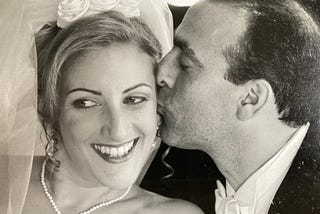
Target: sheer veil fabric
point(19, 126)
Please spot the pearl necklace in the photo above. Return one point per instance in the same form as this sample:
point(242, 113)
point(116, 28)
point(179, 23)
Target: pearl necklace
point(89, 210)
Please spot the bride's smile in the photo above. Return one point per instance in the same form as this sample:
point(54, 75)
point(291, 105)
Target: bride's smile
point(116, 153)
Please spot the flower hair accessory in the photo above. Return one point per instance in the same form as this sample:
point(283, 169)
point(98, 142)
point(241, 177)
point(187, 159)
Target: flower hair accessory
point(71, 10)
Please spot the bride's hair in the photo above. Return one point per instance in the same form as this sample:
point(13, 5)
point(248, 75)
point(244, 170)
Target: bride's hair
point(58, 48)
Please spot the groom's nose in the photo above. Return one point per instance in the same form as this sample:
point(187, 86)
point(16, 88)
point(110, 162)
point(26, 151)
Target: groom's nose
point(169, 69)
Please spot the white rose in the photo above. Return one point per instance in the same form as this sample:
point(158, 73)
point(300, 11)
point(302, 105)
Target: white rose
point(103, 5)
point(131, 3)
point(70, 10)
point(128, 10)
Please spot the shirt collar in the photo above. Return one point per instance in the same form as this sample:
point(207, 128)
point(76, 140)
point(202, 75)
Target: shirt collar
point(260, 188)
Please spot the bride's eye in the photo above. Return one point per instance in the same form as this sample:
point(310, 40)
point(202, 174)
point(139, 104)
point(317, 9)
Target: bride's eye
point(134, 100)
point(84, 104)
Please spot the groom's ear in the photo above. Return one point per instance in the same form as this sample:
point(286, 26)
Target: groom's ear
point(255, 94)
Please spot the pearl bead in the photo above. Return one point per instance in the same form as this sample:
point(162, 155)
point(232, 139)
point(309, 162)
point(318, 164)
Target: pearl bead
point(89, 210)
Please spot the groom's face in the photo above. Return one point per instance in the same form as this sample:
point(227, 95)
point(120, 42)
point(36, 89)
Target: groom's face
point(197, 103)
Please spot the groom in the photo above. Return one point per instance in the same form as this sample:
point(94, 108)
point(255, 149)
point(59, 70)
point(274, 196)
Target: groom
point(242, 84)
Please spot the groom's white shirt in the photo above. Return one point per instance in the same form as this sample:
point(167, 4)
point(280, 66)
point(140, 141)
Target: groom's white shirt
point(256, 194)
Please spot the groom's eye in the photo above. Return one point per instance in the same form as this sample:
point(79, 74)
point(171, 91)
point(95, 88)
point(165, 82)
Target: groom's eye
point(185, 63)
point(184, 67)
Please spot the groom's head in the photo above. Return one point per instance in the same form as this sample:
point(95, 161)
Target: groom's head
point(238, 66)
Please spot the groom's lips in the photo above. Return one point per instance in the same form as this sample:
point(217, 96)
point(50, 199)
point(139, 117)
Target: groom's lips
point(161, 110)
point(164, 114)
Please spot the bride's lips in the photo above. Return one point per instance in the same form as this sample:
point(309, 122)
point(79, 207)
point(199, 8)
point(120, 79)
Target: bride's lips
point(115, 154)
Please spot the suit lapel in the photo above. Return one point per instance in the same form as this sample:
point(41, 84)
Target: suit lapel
point(300, 190)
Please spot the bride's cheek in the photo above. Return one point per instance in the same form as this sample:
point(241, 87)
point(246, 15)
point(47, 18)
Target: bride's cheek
point(80, 126)
point(148, 121)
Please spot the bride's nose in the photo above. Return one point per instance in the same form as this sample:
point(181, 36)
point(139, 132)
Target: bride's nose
point(115, 126)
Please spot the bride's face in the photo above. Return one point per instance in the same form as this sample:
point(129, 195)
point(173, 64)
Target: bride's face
point(108, 114)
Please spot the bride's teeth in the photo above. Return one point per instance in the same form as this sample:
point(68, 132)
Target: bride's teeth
point(120, 152)
point(103, 149)
point(126, 148)
point(108, 150)
point(115, 152)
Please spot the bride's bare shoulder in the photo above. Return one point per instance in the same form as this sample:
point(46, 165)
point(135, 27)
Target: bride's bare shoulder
point(155, 203)
point(177, 206)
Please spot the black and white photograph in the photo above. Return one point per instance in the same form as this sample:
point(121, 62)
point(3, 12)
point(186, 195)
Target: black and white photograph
point(160, 106)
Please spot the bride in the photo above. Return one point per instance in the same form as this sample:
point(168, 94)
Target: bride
point(97, 105)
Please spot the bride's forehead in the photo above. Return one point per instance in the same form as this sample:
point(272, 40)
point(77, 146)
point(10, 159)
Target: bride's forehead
point(124, 64)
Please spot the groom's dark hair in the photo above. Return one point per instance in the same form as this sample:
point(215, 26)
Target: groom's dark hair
point(282, 46)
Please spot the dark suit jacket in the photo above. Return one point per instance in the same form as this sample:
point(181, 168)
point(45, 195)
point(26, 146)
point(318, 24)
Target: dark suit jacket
point(194, 179)
point(299, 192)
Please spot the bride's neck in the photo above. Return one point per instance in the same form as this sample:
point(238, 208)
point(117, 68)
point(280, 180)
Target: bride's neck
point(72, 193)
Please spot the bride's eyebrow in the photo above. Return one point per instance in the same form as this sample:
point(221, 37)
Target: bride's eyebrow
point(136, 86)
point(86, 90)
